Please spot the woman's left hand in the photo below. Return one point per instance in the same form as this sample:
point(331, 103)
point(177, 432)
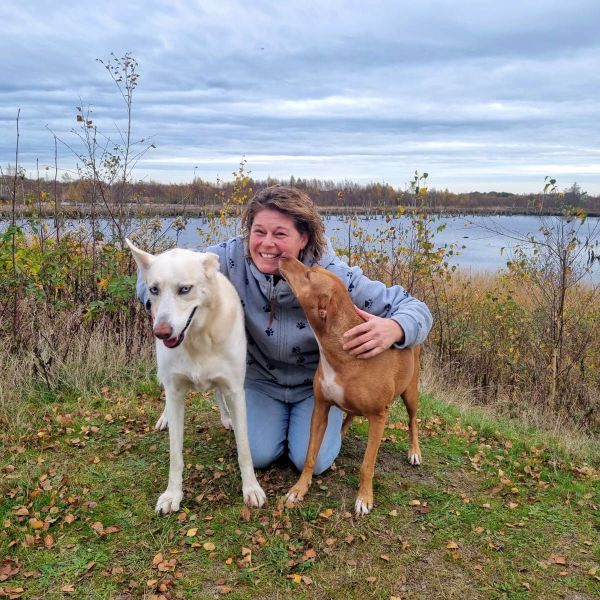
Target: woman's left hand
point(373, 336)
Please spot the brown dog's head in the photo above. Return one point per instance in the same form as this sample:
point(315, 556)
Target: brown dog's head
point(319, 292)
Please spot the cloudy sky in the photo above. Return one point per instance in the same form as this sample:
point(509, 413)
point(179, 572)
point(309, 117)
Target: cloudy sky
point(481, 95)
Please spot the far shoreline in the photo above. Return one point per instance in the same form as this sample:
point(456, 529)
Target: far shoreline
point(73, 210)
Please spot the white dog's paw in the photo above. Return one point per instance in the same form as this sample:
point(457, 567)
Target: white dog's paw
point(254, 496)
point(162, 423)
point(414, 459)
point(168, 502)
point(227, 423)
point(362, 507)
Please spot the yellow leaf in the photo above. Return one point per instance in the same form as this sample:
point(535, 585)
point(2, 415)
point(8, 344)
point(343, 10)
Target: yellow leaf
point(451, 545)
point(192, 532)
point(326, 514)
point(208, 546)
point(36, 524)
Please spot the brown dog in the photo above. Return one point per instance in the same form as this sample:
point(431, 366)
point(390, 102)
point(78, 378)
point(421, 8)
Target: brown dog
point(365, 387)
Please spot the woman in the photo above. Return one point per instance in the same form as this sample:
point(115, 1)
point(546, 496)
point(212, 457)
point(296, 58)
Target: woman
point(282, 350)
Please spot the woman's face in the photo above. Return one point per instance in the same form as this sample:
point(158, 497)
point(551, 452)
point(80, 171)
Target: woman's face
point(272, 233)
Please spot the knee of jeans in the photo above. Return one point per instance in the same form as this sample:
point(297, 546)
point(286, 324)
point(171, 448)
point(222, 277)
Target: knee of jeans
point(263, 457)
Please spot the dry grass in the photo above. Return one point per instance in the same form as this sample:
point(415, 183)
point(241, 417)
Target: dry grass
point(555, 430)
point(55, 366)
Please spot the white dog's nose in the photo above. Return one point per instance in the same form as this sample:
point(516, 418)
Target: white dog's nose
point(163, 331)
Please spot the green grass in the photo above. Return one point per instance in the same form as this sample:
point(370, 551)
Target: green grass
point(497, 510)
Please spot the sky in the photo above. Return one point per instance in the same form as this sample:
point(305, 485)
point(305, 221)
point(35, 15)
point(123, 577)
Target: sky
point(486, 96)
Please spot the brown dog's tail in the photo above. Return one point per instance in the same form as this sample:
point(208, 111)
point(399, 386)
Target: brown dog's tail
point(346, 424)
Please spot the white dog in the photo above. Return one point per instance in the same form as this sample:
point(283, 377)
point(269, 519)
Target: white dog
point(200, 343)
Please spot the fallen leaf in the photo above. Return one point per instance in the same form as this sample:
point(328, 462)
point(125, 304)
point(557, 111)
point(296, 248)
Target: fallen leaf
point(558, 559)
point(192, 532)
point(451, 545)
point(209, 546)
point(157, 559)
point(326, 514)
point(36, 524)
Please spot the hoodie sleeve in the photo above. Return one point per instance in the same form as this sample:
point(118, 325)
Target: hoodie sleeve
point(390, 302)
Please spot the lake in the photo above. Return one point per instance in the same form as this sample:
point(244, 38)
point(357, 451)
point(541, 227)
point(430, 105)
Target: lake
point(484, 237)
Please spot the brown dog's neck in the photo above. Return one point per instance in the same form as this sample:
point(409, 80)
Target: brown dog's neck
point(329, 331)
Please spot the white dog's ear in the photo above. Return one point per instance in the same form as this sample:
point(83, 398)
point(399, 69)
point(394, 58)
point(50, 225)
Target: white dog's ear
point(143, 259)
point(210, 261)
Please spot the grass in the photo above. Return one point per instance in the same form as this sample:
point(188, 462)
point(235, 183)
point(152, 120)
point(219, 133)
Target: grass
point(497, 510)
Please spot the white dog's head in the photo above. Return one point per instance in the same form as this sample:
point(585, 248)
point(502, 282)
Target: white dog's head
point(179, 284)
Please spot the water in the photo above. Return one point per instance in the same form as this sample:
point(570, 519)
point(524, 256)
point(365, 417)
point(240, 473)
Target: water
point(487, 240)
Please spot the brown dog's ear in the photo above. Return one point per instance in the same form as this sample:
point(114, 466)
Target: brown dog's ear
point(323, 302)
point(326, 307)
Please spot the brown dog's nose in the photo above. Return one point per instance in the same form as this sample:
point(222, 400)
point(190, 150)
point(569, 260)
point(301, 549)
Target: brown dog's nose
point(163, 331)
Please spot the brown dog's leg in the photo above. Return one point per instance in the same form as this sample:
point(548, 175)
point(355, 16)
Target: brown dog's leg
point(364, 499)
point(346, 424)
point(411, 401)
point(318, 425)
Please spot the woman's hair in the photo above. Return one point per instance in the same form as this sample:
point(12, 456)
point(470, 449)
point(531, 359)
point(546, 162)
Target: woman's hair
point(294, 203)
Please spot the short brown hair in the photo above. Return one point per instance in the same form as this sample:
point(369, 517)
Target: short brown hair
point(294, 203)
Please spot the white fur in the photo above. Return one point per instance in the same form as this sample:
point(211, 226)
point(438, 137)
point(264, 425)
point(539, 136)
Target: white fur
point(212, 354)
point(332, 390)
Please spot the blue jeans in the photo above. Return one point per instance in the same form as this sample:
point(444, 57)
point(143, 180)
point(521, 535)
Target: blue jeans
point(274, 426)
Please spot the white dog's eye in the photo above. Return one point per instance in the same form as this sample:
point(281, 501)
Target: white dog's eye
point(153, 290)
point(184, 289)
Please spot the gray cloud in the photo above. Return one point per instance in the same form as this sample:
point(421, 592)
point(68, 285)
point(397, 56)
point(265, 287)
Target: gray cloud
point(480, 95)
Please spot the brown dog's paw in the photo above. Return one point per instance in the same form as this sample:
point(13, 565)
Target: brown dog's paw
point(295, 496)
point(363, 506)
point(414, 458)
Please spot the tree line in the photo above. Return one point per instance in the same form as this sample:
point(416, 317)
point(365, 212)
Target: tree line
point(200, 195)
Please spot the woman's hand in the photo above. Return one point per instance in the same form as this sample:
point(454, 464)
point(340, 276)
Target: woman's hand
point(373, 336)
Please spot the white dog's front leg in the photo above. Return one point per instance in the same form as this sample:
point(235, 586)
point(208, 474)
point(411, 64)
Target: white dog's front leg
point(170, 499)
point(236, 403)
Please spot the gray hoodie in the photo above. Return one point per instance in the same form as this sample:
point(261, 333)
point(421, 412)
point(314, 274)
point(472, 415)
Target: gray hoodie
point(282, 350)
